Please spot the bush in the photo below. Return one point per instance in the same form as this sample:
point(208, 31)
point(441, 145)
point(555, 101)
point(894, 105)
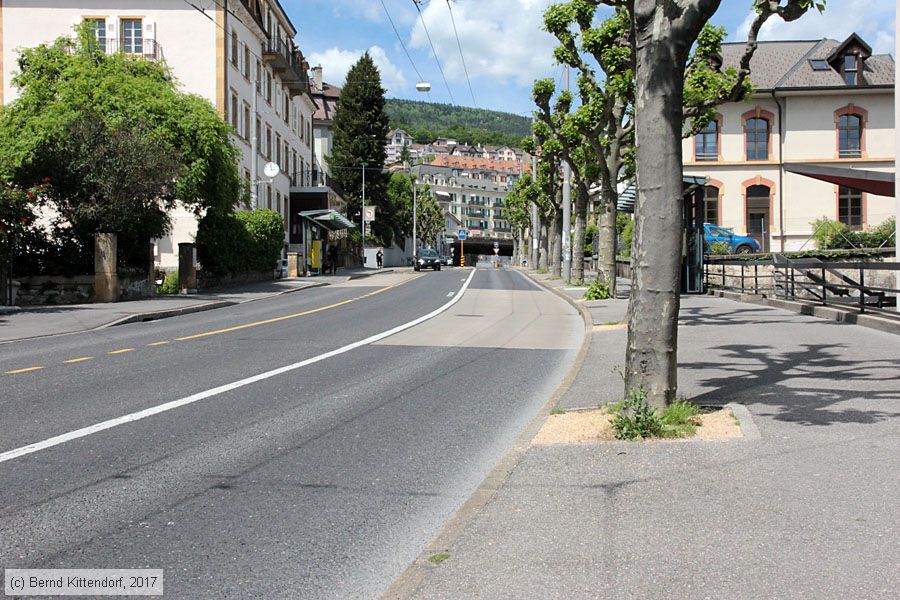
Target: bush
point(833, 235)
point(598, 290)
point(239, 242)
point(625, 229)
point(170, 285)
point(636, 419)
point(720, 248)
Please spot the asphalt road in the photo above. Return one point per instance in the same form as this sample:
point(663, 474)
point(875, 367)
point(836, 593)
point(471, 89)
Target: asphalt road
point(313, 480)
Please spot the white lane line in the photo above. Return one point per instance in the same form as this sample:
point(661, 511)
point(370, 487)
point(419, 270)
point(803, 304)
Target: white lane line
point(155, 410)
point(450, 294)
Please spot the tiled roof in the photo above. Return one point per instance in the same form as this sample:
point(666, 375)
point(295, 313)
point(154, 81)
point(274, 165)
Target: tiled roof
point(326, 101)
point(478, 163)
point(785, 64)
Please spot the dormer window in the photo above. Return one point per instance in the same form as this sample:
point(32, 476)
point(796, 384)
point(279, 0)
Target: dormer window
point(850, 69)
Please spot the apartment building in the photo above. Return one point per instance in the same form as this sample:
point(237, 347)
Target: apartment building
point(477, 204)
point(237, 58)
point(816, 102)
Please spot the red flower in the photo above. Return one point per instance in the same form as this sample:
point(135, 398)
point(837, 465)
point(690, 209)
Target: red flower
point(46, 180)
point(31, 196)
point(25, 220)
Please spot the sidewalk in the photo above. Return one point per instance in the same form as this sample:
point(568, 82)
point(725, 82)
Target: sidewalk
point(807, 508)
point(18, 323)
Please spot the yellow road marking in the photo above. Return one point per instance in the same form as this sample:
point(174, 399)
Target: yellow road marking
point(286, 317)
point(122, 351)
point(78, 360)
point(23, 370)
point(163, 343)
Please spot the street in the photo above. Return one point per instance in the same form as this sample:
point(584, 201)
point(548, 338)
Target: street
point(282, 448)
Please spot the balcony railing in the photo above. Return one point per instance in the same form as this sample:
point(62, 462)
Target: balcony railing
point(287, 62)
point(135, 47)
point(315, 178)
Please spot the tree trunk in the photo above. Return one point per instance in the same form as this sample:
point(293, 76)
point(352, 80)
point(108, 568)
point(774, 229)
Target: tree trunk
point(544, 250)
point(606, 253)
point(651, 353)
point(556, 244)
point(581, 206)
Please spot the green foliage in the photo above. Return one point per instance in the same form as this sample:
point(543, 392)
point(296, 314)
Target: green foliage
point(636, 419)
point(170, 284)
point(61, 82)
point(832, 235)
point(589, 238)
point(360, 130)
point(720, 248)
point(625, 229)
point(17, 215)
point(430, 218)
point(239, 242)
point(437, 559)
point(557, 411)
point(598, 290)
point(427, 121)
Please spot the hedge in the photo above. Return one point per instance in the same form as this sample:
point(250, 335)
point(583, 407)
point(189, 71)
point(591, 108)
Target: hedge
point(240, 242)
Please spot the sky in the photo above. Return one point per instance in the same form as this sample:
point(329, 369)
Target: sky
point(503, 48)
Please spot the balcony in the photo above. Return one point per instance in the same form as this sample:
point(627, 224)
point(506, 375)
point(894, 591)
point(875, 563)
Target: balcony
point(132, 47)
point(315, 178)
point(288, 64)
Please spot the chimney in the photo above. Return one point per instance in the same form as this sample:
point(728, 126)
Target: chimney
point(317, 78)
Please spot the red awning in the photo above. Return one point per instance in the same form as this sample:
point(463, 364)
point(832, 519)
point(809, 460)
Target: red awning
point(863, 180)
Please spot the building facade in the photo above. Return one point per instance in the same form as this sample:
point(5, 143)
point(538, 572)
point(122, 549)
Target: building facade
point(234, 58)
point(818, 102)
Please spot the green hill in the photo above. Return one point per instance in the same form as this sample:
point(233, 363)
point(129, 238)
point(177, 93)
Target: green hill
point(426, 121)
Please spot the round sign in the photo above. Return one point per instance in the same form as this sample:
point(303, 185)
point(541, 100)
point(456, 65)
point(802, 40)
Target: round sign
point(271, 169)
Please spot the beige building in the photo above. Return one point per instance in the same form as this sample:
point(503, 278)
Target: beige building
point(817, 102)
point(226, 56)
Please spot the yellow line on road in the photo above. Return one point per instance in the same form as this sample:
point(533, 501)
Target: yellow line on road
point(163, 343)
point(122, 351)
point(78, 360)
point(286, 317)
point(23, 370)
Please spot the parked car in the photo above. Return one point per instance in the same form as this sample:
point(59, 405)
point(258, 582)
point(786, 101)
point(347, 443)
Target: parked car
point(739, 244)
point(427, 259)
point(447, 260)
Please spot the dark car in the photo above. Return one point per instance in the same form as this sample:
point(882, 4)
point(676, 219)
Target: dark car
point(427, 259)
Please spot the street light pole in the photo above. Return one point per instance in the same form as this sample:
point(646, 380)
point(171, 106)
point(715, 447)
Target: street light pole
point(362, 215)
point(254, 148)
point(415, 218)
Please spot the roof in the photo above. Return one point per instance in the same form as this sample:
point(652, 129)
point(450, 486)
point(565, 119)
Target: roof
point(786, 64)
point(864, 180)
point(326, 102)
point(627, 196)
point(479, 163)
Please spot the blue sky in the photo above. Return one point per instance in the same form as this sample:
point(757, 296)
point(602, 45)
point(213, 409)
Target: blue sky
point(503, 47)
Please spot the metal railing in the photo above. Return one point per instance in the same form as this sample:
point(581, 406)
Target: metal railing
point(134, 47)
point(858, 286)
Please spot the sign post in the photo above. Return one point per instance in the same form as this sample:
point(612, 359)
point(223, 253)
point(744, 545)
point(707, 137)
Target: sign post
point(461, 234)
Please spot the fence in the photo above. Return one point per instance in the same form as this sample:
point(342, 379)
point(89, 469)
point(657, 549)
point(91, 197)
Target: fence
point(858, 286)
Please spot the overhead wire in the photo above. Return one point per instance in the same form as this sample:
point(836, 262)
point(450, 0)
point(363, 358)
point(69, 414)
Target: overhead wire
point(436, 59)
point(459, 45)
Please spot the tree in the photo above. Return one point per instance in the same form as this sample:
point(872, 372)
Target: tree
point(429, 217)
point(114, 179)
point(518, 208)
point(61, 82)
point(662, 34)
point(360, 130)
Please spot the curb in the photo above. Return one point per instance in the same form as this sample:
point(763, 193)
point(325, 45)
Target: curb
point(747, 425)
point(410, 580)
point(364, 275)
point(829, 313)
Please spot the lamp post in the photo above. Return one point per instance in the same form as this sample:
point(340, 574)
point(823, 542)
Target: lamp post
point(362, 215)
point(415, 217)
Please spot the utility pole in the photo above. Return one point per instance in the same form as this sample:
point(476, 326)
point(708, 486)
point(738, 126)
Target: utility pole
point(567, 213)
point(362, 215)
point(415, 218)
point(254, 147)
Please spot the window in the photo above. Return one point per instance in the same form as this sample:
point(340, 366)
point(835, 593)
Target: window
point(98, 27)
point(258, 77)
point(850, 207)
point(268, 87)
point(712, 205)
point(246, 121)
point(234, 47)
point(757, 136)
point(268, 144)
point(246, 61)
point(706, 143)
point(819, 64)
point(132, 36)
point(287, 109)
point(269, 197)
point(278, 202)
point(278, 149)
point(235, 115)
point(850, 69)
point(849, 136)
point(258, 134)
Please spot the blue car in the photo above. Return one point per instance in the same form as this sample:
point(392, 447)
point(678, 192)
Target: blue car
point(739, 244)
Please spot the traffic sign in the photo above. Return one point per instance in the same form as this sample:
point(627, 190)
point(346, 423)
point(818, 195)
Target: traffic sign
point(496, 245)
point(496, 250)
point(461, 234)
point(370, 213)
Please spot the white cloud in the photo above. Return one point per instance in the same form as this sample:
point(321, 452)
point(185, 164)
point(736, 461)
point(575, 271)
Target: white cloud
point(873, 21)
point(336, 63)
point(501, 39)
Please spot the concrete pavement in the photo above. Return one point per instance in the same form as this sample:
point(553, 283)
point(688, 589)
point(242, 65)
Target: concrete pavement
point(807, 510)
point(18, 323)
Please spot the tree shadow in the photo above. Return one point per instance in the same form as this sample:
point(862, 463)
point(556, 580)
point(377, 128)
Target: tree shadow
point(801, 386)
point(692, 316)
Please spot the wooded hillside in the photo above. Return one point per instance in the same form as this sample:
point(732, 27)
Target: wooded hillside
point(426, 121)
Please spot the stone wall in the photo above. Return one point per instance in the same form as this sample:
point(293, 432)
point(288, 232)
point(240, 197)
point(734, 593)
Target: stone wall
point(40, 290)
